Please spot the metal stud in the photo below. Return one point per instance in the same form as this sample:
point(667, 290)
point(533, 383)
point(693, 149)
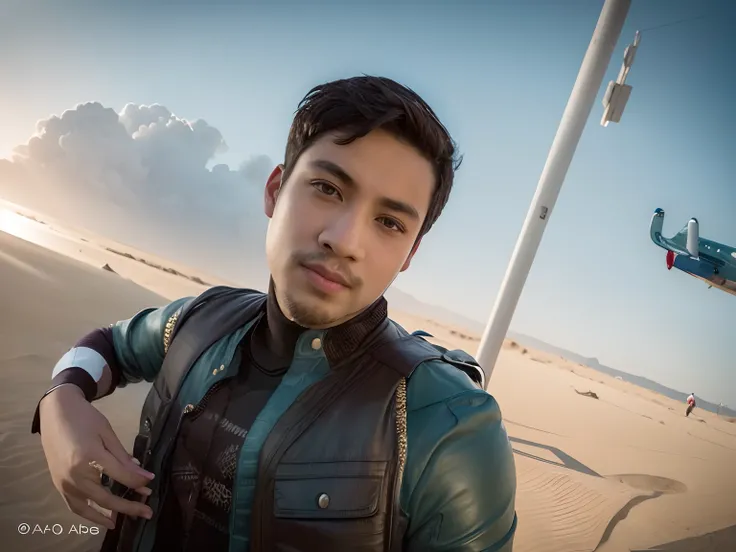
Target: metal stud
point(316, 344)
point(323, 501)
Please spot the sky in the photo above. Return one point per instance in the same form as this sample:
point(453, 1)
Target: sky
point(498, 74)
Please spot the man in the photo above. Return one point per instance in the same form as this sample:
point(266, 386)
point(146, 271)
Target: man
point(308, 426)
point(690, 404)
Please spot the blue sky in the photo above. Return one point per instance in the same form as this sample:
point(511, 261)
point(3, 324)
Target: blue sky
point(499, 75)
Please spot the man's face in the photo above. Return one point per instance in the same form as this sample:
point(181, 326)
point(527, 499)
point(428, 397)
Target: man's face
point(344, 225)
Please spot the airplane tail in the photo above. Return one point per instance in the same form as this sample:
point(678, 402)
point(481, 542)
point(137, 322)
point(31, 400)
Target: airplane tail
point(685, 242)
point(693, 237)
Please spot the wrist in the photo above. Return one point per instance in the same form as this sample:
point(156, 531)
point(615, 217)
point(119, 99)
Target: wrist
point(57, 393)
point(63, 390)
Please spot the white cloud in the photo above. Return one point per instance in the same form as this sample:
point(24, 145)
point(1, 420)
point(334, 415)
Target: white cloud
point(257, 169)
point(146, 163)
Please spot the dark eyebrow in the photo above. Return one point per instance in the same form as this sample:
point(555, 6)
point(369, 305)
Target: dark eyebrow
point(385, 202)
point(335, 170)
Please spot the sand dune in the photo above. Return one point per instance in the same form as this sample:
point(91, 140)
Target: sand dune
point(625, 471)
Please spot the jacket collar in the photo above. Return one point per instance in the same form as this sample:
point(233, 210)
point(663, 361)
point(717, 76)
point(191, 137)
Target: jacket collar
point(275, 337)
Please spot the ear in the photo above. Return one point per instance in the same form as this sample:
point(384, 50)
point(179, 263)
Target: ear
point(414, 248)
point(273, 187)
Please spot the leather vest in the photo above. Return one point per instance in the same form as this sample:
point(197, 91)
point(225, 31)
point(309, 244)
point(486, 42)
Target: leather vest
point(330, 471)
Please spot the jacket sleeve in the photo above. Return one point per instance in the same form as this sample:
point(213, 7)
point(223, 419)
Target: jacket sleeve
point(464, 499)
point(139, 342)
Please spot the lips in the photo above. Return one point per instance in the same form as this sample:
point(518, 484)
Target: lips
point(328, 274)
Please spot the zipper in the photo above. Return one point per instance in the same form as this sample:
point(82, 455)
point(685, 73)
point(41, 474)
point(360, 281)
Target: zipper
point(401, 446)
point(234, 500)
point(194, 410)
point(169, 328)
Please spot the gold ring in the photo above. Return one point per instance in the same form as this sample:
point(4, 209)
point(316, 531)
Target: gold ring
point(97, 466)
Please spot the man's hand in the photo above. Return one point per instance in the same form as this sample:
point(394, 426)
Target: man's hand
point(76, 437)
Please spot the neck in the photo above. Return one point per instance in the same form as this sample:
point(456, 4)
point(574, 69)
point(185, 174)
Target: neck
point(282, 333)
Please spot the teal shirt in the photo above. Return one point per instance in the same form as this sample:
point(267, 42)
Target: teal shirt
point(459, 484)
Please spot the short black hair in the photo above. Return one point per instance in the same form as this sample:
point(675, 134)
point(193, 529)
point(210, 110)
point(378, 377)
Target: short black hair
point(356, 106)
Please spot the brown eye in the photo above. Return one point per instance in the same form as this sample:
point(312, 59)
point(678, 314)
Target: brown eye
point(325, 188)
point(391, 224)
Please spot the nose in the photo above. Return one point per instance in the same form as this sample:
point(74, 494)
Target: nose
point(344, 236)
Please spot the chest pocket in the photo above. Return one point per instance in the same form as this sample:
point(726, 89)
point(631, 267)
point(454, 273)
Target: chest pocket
point(329, 490)
point(331, 506)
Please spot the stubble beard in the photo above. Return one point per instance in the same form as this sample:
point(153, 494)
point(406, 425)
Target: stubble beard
point(309, 316)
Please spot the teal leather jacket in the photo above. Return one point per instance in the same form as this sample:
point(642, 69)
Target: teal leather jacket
point(459, 483)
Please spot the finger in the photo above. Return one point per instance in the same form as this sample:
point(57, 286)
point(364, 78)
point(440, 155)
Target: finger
point(111, 442)
point(109, 501)
point(99, 509)
point(80, 507)
point(126, 473)
point(145, 491)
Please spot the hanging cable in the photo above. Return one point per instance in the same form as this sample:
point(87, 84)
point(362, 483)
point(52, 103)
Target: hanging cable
point(675, 23)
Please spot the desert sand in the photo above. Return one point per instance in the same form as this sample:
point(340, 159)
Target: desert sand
point(623, 471)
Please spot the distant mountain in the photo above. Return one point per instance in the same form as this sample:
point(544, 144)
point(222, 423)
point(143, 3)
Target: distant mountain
point(405, 302)
point(402, 301)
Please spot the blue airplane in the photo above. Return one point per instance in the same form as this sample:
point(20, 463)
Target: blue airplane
point(710, 261)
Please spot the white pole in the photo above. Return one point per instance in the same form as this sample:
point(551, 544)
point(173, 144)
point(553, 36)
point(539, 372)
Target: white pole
point(576, 114)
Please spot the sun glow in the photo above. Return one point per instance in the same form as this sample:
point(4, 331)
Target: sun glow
point(16, 225)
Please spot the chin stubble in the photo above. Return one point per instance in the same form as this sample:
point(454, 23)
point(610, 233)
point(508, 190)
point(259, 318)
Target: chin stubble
point(308, 317)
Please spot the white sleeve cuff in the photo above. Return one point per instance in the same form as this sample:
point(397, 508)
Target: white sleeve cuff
point(85, 358)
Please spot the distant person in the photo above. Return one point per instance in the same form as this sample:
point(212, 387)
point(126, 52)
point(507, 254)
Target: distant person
point(690, 404)
point(306, 419)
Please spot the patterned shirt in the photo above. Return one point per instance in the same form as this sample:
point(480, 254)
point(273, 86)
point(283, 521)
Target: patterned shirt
point(196, 513)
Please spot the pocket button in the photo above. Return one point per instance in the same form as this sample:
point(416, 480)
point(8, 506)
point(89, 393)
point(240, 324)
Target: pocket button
point(323, 501)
